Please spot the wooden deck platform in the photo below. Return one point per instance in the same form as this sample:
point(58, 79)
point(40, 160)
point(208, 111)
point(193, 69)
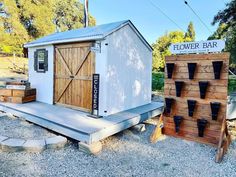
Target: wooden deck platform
point(76, 124)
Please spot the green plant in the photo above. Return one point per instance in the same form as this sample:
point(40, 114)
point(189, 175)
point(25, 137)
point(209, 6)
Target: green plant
point(158, 81)
point(232, 84)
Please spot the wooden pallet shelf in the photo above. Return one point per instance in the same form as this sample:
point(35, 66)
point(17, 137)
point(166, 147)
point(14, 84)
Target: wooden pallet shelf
point(215, 133)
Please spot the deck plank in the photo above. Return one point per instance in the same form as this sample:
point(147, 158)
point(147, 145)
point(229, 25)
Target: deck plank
point(77, 124)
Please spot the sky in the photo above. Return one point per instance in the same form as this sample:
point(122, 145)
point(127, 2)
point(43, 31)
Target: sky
point(151, 22)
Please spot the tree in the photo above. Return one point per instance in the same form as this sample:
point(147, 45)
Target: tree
point(220, 32)
point(69, 15)
point(161, 48)
point(226, 29)
point(37, 17)
point(25, 20)
point(13, 33)
point(162, 44)
point(226, 16)
point(190, 33)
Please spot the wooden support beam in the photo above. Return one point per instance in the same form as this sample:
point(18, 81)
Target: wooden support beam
point(157, 133)
point(224, 142)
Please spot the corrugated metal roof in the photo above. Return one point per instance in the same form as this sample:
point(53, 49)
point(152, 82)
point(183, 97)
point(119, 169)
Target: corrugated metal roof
point(84, 34)
point(94, 32)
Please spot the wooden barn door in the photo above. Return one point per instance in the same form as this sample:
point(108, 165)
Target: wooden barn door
point(73, 68)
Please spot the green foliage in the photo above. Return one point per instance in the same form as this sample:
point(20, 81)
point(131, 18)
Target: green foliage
point(158, 81)
point(227, 29)
point(37, 17)
point(227, 16)
point(13, 33)
point(69, 15)
point(162, 44)
point(219, 33)
point(25, 20)
point(232, 84)
point(190, 34)
point(161, 48)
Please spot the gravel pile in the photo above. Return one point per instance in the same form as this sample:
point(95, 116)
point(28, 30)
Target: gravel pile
point(126, 154)
point(19, 128)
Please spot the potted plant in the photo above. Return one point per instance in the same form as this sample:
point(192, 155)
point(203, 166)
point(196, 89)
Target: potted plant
point(191, 69)
point(178, 87)
point(217, 66)
point(191, 107)
point(169, 102)
point(177, 121)
point(201, 124)
point(215, 107)
point(170, 69)
point(203, 88)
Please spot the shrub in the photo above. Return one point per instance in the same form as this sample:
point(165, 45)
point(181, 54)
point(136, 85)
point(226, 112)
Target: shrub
point(158, 81)
point(232, 84)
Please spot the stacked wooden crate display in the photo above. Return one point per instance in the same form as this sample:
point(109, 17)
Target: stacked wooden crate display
point(196, 98)
point(17, 92)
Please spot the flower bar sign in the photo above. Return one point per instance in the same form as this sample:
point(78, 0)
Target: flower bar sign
point(198, 47)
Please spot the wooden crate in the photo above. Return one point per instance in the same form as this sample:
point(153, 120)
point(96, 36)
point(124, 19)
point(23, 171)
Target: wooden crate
point(21, 99)
point(17, 96)
point(3, 98)
point(15, 83)
point(23, 93)
point(5, 92)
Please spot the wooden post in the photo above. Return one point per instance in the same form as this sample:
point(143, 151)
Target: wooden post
point(157, 131)
point(224, 142)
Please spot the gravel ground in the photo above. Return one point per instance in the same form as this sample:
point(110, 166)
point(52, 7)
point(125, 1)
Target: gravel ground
point(19, 128)
point(126, 154)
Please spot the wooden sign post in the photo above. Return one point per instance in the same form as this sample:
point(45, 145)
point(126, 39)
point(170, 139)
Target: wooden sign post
point(95, 96)
point(196, 99)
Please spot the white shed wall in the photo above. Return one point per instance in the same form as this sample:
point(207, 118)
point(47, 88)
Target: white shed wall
point(43, 82)
point(129, 67)
point(101, 68)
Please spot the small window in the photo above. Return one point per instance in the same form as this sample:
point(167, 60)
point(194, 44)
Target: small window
point(41, 60)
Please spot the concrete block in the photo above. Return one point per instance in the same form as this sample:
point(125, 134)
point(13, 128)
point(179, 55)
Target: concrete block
point(55, 142)
point(139, 128)
point(12, 116)
point(94, 148)
point(2, 114)
point(2, 138)
point(12, 145)
point(34, 145)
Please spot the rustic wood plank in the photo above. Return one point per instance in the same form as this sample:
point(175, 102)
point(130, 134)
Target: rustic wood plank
point(5, 92)
point(205, 67)
point(196, 94)
point(221, 82)
point(24, 93)
point(216, 92)
point(74, 45)
point(63, 61)
point(199, 76)
point(190, 136)
point(224, 142)
point(21, 99)
point(193, 87)
point(157, 133)
point(195, 57)
point(79, 60)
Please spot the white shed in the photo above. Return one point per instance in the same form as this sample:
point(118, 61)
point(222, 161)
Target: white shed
point(61, 66)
